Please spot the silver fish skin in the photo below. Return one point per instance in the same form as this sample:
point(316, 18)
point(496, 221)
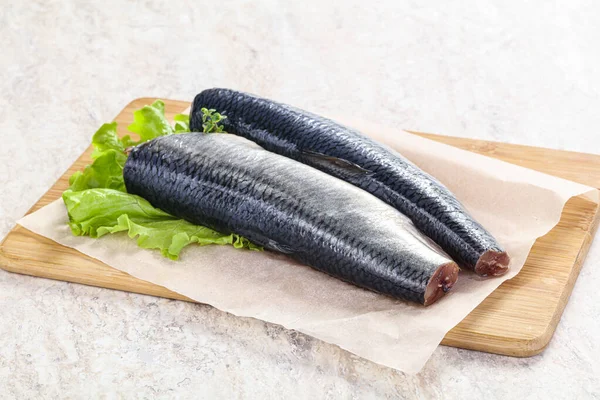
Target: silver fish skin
point(232, 185)
point(349, 155)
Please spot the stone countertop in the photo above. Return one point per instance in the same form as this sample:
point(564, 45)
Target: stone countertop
point(519, 72)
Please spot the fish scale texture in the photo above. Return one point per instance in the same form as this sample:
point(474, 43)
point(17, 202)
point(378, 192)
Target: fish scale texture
point(232, 185)
point(300, 135)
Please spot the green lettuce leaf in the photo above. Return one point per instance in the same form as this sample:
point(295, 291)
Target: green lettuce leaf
point(150, 122)
point(106, 138)
point(98, 203)
point(105, 172)
point(182, 123)
point(97, 212)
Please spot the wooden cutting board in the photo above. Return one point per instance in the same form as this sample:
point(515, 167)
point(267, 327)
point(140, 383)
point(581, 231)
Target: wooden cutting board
point(518, 319)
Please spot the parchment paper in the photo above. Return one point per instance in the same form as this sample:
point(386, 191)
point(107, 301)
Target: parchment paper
point(516, 204)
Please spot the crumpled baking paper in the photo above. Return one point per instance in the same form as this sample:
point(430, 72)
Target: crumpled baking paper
point(515, 204)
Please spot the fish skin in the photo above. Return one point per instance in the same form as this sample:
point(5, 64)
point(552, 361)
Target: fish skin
point(381, 171)
point(232, 185)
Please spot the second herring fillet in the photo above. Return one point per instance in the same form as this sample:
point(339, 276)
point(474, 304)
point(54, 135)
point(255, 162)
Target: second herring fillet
point(347, 154)
point(232, 185)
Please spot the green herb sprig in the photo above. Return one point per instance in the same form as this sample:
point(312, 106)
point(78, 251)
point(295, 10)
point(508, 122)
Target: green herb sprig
point(210, 121)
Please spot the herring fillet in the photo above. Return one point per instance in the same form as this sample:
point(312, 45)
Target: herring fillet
point(355, 158)
point(232, 185)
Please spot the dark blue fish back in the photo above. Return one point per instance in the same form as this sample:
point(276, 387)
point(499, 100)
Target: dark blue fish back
point(335, 149)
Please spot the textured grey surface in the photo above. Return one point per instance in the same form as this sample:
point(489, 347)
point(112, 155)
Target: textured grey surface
point(521, 72)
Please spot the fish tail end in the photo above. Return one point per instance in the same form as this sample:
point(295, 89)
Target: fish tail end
point(492, 263)
point(441, 282)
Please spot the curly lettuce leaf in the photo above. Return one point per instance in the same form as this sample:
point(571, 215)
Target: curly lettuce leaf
point(182, 123)
point(97, 212)
point(98, 203)
point(150, 122)
point(105, 172)
point(106, 138)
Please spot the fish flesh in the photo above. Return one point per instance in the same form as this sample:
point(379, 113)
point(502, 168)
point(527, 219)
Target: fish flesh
point(349, 155)
point(230, 184)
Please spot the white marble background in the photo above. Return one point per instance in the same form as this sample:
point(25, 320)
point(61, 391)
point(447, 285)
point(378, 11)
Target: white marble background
point(515, 71)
